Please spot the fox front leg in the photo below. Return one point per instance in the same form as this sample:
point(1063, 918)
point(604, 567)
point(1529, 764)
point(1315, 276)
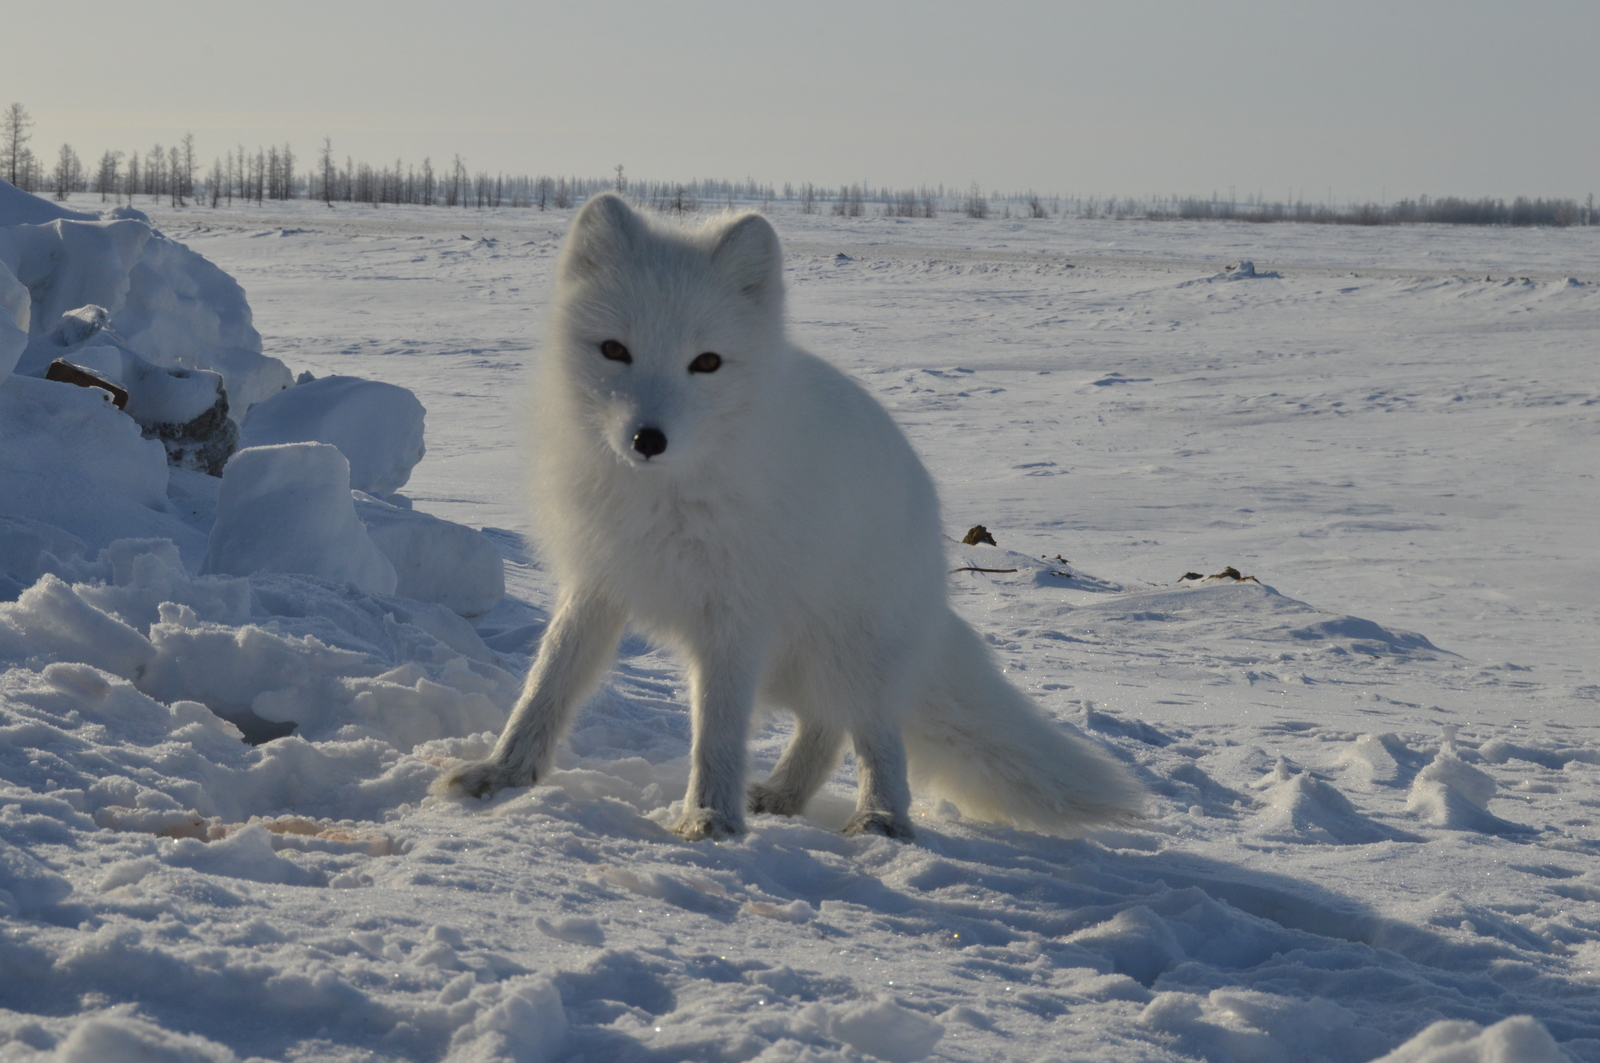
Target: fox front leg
point(576, 648)
point(724, 688)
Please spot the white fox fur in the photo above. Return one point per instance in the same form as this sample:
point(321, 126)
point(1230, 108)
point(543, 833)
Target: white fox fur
point(786, 540)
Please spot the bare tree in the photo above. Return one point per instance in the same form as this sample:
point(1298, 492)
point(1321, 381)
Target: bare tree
point(155, 169)
point(622, 185)
point(187, 164)
point(808, 198)
point(217, 181)
point(14, 137)
point(427, 181)
point(130, 182)
point(286, 182)
point(325, 162)
point(105, 176)
point(175, 176)
point(976, 205)
point(69, 171)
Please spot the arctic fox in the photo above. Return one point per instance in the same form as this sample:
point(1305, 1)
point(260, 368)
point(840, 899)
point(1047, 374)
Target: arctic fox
point(748, 504)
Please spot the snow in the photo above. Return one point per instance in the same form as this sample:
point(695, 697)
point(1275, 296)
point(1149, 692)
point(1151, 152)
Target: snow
point(287, 508)
point(378, 427)
point(1371, 748)
point(169, 303)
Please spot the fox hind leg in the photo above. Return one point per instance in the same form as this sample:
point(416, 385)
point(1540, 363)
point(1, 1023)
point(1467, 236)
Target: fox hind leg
point(807, 761)
point(883, 796)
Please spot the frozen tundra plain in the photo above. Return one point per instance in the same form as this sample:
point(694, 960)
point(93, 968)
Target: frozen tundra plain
point(1374, 827)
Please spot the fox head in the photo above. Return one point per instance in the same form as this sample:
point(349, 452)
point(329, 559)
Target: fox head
point(664, 338)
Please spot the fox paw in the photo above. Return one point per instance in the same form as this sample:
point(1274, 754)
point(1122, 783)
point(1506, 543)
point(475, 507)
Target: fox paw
point(880, 823)
point(702, 823)
point(770, 800)
point(483, 779)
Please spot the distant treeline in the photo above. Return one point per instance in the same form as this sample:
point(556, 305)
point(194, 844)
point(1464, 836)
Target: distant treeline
point(1446, 210)
point(175, 174)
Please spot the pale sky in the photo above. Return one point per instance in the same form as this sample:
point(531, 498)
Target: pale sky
point(1369, 99)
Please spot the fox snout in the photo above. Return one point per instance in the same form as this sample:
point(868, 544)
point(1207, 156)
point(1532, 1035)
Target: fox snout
point(649, 442)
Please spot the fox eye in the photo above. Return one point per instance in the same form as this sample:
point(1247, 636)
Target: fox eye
point(706, 363)
point(616, 352)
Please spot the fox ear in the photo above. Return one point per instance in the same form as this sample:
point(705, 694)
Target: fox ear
point(605, 230)
point(748, 253)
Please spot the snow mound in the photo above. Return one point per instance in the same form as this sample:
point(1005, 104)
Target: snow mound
point(1451, 793)
point(435, 560)
point(1298, 808)
point(1249, 612)
point(167, 302)
point(991, 564)
point(287, 508)
point(1241, 1024)
point(377, 426)
point(884, 1029)
point(1519, 1039)
point(333, 663)
point(1375, 758)
point(24, 208)
point(117, 1035)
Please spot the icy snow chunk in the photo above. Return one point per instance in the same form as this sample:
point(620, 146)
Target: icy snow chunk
point(51, 621)
point(885, 1029)
point(435, 560)
point(147, 573)
point(527, 1024)
point(580, 930)
point(155, 393)
point(377, 426)
point(1519, 1039)
point(288, 508)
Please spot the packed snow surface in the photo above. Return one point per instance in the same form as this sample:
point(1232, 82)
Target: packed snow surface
point(1309, 546)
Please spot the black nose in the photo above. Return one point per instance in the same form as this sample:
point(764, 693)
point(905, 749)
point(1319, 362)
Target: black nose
point(650, 441)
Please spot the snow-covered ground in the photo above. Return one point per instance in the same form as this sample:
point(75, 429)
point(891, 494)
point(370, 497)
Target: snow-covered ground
point(1373, 764)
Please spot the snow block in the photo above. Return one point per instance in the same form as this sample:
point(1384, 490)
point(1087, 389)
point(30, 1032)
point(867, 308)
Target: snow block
point(435, 560)
point(73, 441)
point(15, 313)
point(377, 426)
point(288, 508)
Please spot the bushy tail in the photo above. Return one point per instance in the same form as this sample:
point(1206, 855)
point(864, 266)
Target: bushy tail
point(980, 742)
